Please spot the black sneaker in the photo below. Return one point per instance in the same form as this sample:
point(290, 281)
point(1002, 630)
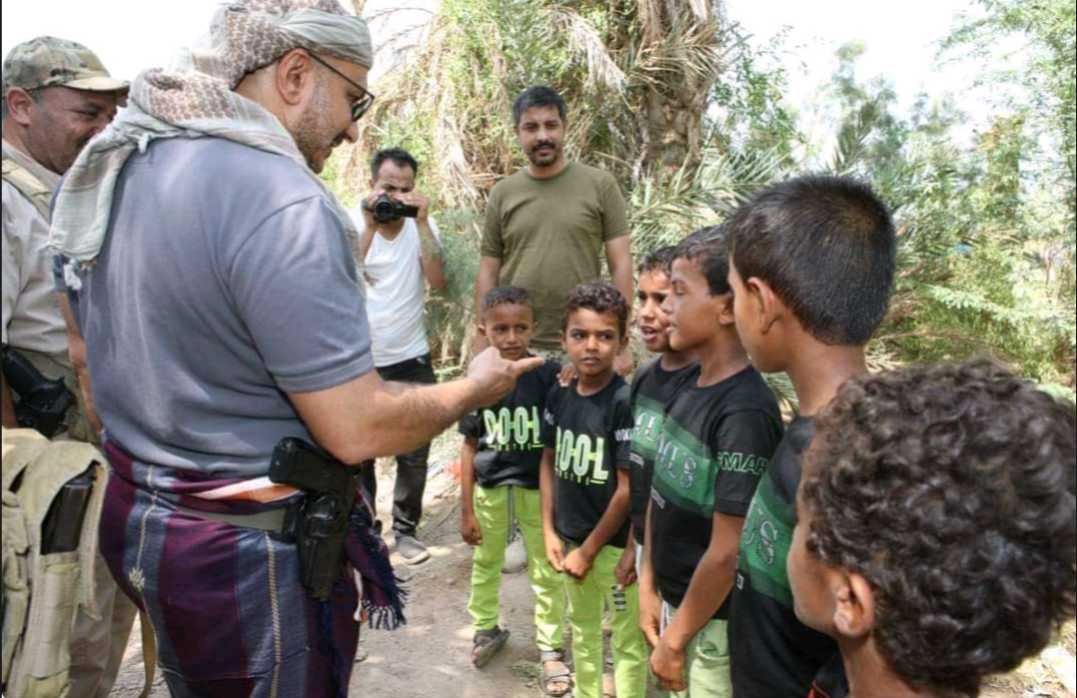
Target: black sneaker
point(411, 549)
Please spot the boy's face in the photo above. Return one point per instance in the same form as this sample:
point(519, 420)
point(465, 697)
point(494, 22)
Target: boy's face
point(811, 600)
point(508, 327)
point(592, 340)
point(748, 314)
point(652, 288)
point(694, 314)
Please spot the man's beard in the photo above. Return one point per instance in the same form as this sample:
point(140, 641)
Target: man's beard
point(313, 133)
point(548, 158)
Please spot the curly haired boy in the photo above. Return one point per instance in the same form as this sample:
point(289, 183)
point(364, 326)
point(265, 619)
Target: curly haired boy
point(936, 538)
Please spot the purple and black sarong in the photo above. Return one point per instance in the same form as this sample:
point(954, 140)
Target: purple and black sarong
point(226, 603)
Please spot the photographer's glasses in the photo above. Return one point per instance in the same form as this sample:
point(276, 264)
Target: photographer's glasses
point(359, 106)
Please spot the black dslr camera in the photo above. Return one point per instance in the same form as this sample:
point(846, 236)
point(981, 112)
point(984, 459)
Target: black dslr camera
point(386, 209)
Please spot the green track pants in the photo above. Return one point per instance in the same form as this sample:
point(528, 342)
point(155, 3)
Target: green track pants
point(494, 513)
point(587, 599)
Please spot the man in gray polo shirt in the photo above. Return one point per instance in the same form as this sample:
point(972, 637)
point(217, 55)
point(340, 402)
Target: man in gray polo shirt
point(222, 313)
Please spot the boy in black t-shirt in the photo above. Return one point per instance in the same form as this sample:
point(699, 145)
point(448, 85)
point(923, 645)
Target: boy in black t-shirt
point(499, 478)
point(653, 384)
point(935, 536)
point(587, 431)
point(718, 435)
point(811, 267)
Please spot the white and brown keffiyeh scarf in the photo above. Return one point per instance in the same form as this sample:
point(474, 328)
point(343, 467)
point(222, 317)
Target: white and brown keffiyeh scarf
point(197, 101)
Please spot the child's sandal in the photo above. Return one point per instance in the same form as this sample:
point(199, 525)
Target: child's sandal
point(558, 681)
point(486, 644)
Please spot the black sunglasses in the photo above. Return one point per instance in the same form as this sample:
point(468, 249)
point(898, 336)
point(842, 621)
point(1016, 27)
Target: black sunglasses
point(361, 105)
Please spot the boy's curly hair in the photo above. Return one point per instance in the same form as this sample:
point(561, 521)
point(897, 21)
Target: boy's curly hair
point(951, 490)
point(657, 260)
point(600, 297)
point(505, 295)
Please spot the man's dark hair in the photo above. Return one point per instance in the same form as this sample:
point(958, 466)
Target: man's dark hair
point(600, 297)
point(505, 295)
point(951, 490)
point(826, 246)
point(708, 248)
point(657, 260)
point(537, 96)
point(399, 157)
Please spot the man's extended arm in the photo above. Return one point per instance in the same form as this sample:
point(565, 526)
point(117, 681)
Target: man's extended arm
point(367, 418)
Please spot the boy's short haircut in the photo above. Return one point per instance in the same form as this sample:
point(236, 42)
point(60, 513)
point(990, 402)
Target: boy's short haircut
point(537, 96)
point(951, 490)
point(826, 246)
point(398, 156)
point(708, 248)
point(657, 260)
point(599, 297)
point(506, 295)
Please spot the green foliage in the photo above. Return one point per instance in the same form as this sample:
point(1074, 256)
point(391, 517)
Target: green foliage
point(692, 121)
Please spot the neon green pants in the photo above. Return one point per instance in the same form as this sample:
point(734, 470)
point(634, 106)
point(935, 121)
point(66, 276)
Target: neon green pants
point(492, 512)
point(587, 599)
point(706, 661)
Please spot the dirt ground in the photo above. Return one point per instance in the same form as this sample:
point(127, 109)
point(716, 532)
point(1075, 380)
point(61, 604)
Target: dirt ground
point(429, 656)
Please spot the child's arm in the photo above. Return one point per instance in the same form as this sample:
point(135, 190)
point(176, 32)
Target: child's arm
point(578, 562)
point(711, 583)
point(625, 571)
point(650, 603)
point(469, 525)
point(549, 533)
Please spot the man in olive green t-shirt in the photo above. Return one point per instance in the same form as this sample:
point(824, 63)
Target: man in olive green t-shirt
point(548, 225)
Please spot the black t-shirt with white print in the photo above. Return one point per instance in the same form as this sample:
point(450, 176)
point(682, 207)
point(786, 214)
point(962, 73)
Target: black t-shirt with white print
point(652, 389)
point(591, 436)
point(509, 433)
point(716, 443)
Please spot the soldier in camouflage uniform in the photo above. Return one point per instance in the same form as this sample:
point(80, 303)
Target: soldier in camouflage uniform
point(56, 97)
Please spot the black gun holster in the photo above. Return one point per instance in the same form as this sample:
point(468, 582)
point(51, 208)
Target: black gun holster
point(42, 403)
point(318, 521)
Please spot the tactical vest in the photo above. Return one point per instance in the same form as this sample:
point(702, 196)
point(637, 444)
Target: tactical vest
point(42, 592)
point(28, 185)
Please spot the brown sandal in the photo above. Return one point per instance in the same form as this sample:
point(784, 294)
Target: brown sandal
point(558, 676)
point(486, 644)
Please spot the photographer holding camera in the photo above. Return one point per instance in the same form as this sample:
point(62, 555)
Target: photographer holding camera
point(399, 254)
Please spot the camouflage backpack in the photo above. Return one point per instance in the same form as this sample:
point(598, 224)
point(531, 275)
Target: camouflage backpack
point(43, 591)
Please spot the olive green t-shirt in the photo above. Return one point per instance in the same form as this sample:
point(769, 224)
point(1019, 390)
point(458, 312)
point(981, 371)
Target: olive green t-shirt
point(549, 236)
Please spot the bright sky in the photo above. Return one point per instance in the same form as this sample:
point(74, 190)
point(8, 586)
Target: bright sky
point(901, 37)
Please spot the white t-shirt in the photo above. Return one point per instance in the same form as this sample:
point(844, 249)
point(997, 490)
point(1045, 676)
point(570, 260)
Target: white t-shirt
point(395, 293)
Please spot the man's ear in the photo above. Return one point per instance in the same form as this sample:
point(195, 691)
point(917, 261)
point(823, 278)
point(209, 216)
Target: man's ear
point(19, 106)
point(854, 605)
point(765, 303)
point(293, 76)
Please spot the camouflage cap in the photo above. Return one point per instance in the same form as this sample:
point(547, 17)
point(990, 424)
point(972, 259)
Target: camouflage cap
point(47, 61)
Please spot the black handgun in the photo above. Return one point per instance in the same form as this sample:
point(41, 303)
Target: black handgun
point(62, 527)
point(319, 521)
point(42, 403)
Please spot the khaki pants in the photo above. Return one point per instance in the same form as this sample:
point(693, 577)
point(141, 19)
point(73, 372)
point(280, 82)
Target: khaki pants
point(97, 646)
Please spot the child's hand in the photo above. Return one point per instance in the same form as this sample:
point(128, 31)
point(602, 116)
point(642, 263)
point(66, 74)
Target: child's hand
point(577, 564)
point(625, 572)
point(554, 554)
point(567, 375)
point(650, 614)
point(667, 664)
point(469, 528)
